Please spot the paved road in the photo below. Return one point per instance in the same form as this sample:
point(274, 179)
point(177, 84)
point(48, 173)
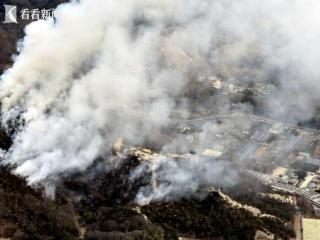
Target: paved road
point(246, 116)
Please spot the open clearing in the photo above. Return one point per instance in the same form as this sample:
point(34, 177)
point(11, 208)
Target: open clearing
point(311, 229)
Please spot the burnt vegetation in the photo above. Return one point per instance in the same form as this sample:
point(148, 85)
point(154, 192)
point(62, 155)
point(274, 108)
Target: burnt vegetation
point(249, 192)
point(31, 215)
point(101, 206)
point(212, 217)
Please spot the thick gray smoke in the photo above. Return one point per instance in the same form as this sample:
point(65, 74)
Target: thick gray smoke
point(120, 68)
point(178, 179)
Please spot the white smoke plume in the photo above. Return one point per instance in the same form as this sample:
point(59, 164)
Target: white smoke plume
point(119, 68)
point(182, 178)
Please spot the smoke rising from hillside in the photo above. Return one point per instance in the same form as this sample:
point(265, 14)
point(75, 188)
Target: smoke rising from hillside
point(178, 179)
point(107, 69)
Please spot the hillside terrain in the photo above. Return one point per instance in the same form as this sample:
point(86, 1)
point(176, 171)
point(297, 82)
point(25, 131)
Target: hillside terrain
point(101, 202)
